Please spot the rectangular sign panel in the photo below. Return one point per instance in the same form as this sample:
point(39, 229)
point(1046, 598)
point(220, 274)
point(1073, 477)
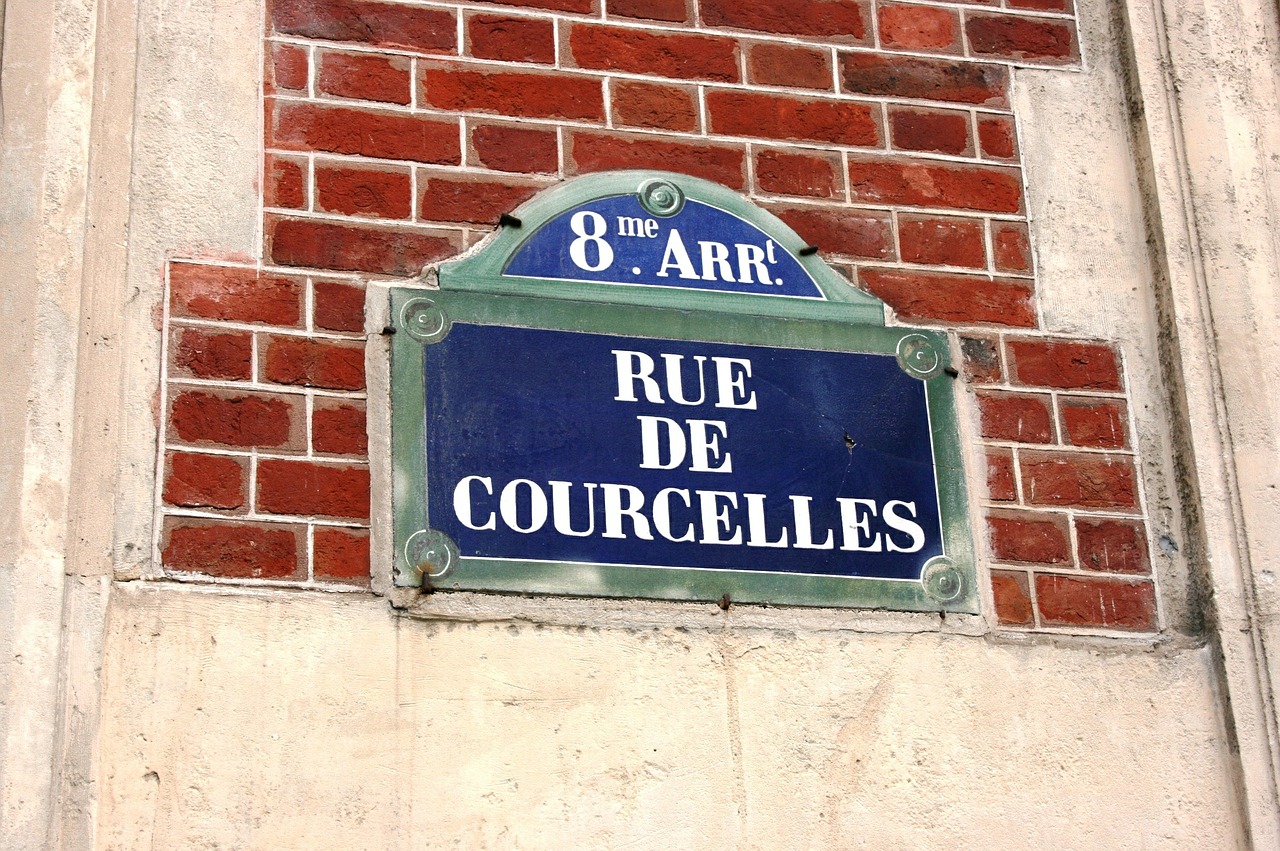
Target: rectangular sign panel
point(579, 448)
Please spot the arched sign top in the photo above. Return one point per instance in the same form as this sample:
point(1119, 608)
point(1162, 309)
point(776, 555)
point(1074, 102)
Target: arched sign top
point(659, 238)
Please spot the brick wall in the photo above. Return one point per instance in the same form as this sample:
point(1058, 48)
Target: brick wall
point(396, 134)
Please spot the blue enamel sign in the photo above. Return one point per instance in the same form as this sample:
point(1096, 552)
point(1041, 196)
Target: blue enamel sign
point(587, 448)
point(656, 239)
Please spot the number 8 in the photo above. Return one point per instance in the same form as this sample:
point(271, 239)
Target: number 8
point(578, 248)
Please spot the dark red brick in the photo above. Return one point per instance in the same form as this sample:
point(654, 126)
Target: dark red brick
point(376, 192)
point(926, 79)
point(770, 64)
point(638, 104)
point(637, 51)
point(1086, 601)
point(981, 359)
point(1029, 537)
point(511, 39)
point(222, 356)
point(1001, 486)
point(915, 27)
point(307, 488)
point(205, 481)
point(338, 307)
point(341, 555)
point(942, 241)
point(367, 22)
point(1006, 36)
point(236, 419)
point(1025, 418)
point(600, 152)
point(234, 294)
point(941, 131)
point(1012, 598)
point(840, 231)
point(1041, 5)
point(834, 20)
point(344, 130)
point(474, 200)
point(504, 147)
point(881, 181)
point(351, 248)
point(789, 172)
point(960, 299)
point(997, 137)
point(1064, 364)
point(1112, 546)
point(1012, 246)
point(1098, 423)
point(556, 5)
point(515, 93)
point(286, 182)
point(1079, 480)
point(364, 76)
point(290, 68)
point(338, 427)
point(332, 364)
point(770, 116)
point(676, 11)
point(232, 550)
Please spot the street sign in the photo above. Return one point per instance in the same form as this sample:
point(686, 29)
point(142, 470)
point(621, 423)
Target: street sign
point(645, 389)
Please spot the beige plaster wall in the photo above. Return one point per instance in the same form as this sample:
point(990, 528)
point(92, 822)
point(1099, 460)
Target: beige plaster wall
point(297, 720)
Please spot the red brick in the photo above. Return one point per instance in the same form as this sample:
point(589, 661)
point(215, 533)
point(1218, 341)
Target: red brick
point(504, 147)
point(927, 79)
point(338, 427)
point(1005, 36)
point(234, 294)
point(1025, 418)
point(338, 307)
point(223, 356)
point(1064, 365)
point(307, 488)
point(233, 550)
point(1012, 598)
point(679, 56)
point(841, 231)
point(1112, 546)
point(350, 248)
point(515, 93)
point(367, 22)
point(1027, 537)
point(599, 152)
point(446, 199)
point(942, 241)
point(943, 131)
point(769, 116)
point(914, 27)
point(1085, 601)
point(341, 554)
point(1001, 486)
point(344, 130)
point(1012, 246)
point(511, 39)
point(650, 10)
point(997, 137)
point(789, 65)
point(286, 182)
point(649, 105)
point(204, 481)
point(314, 363)
point(981, 359)
point(952, 298)
point(236, 419)
point(880, 181)
point(835, 20)
point(817, 175)
point(1079, 480)
point(364, 76)
point(556, 5)
point(376, 192)
point(289, 68)
point(1094, 422)
point(1041, 5)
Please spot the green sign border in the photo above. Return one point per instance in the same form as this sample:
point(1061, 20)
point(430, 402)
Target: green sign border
point(473, 290)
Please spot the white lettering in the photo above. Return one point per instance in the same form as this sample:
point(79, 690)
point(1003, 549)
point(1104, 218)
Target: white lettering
point(650, 443)
point(578, 248)
point(633, 367)
point(902, 524)
point(715, 258)
point(561, 514)
point(662, 514)
point(856, 525)
point(704, 446)
point(462, 503)
point(804, 526)
point(758, 535)
point(731, 383)
point(614, 511)
point(676, 257)
point(509, 506)
point(716, 519)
